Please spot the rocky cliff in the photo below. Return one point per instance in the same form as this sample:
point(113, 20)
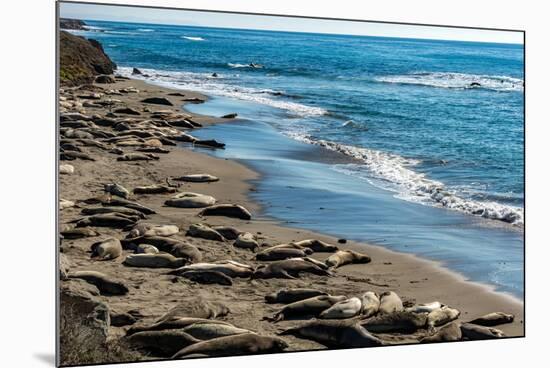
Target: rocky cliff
point(65, 23)
point(81, 59)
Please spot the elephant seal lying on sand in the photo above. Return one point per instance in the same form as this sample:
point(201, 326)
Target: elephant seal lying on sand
point(197, 307)
point(164, 343)
point(335, 334)
point(78, 233)
point(307, 307)
point(105, 284)
point(404, 322)
point(207, 277)
point(390, 302)
point(246, 241)
point(209, 330)
point(227, 210)
point(137, 157)
point(345, 309)
point(228, 232)
point(159, 260)
point(106, 249)
point(145, 229)
point(493, 319)
point(289, 269)
point(286, 296)
point(154, 189)
point(317, 245)
point(449, 332)
point(344, 257)
point(198, 178)
point(229, 268)
point(205, 232)
point(113, 210)
point(442, 316)
point(476, 332)
point(282, 253)
point(248, 343)
point(114, 220)
point(190, 200)
point(173, 246)
point(171, 324)
point(370, 304)
point(116, 189)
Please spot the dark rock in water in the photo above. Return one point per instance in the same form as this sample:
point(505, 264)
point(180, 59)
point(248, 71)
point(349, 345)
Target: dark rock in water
point(81, 59)
point(127, 110)
point(105, 79)
point(157, 101)
point(342, 241)
point(66, 23)
point(229, 116)
point(136, 71)
point(179, 94)
point(215, 75)
point(475, 84)
point(194, 100)
point(210, 143)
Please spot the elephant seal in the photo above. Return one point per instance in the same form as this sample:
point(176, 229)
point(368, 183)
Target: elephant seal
point(228, 232)
point(207, 277)
point(403, 322)
point(159, 260)
point(197, 307)
point(425, 308)
point(114, 210)
point(66, 169)
point(344, 257)
point(73, 155)
point(171, 324)
point(145, 229)
point(164, 343)
point(228, 268)
point(120, 319)
point(106, 249)
point(286, 296)
point(307, 307)
point(64, 203)
point(154, 189)
point(370, 302)
point(289, 269)
point(104, 283)
point(282, 253)
point(449, 332)
point(190, 200)
point(137, 157)
point(78, 233)
point(335, 334)
point(227, 210)
point(116, 189)
point(173, 246)
point(441, 316)
point(247, 343)
point(317, 245)
point(205, 232)
point(390, 302)
point(476, 332)
point(209, 330)
point(113, 201)
point(146, 249)
point(345, 309)
point(198, 178)
point(246, 241)
point(493, 319)
point(107, 220)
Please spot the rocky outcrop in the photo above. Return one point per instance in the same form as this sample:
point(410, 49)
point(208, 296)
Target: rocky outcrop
point(66, 23)
point(81, 60)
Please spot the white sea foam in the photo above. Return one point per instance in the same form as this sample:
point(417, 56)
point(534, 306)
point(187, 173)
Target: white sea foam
point(457, 81)
point(395, 173)
point(203, 82)
point(146, 30)
point(193, 38)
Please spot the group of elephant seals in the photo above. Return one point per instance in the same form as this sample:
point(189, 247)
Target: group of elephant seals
point(344, 257)
point(158, 260)
point(170, 245)
point(289, 269)
point(335, 334)
point(229, 268)
point(307, 307)
point(104, 283)
point(286, 296)
point(106, 249)
point(247, 343)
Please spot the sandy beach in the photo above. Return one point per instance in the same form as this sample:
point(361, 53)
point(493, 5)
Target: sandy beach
point(153, 292)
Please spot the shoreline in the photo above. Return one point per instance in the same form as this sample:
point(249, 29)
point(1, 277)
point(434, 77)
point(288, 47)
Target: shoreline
point(414, 279)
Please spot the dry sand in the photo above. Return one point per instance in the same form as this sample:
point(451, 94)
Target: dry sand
point(152, 292)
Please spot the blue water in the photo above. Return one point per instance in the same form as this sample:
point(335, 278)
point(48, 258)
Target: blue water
point(433, 131)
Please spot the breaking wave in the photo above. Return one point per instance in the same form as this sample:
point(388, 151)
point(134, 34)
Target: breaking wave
point(193, 38)
point(457, 81)
point(393, 172)
point(204, 83)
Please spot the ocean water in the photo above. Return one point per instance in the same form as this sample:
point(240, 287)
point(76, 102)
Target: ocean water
point(433, 131)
